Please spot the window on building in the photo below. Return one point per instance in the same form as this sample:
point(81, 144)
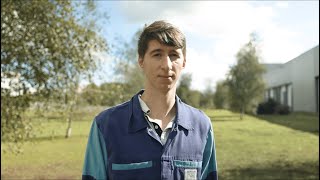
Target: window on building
point(285, 97)
point(290, 96)
point(317, 93)
point(277, 92)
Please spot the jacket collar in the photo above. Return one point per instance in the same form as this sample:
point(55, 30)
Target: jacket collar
point(183, 119)
point(137, 119)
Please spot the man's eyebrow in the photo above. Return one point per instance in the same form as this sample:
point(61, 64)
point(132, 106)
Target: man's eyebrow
point(156, 50)
point(174, 50)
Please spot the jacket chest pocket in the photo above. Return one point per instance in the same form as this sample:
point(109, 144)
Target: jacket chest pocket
point(130, 171)
point(131, 166)
point(187, 169)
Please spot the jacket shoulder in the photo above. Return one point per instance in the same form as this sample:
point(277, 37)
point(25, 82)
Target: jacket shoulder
point(198, 115)
point(110, 114)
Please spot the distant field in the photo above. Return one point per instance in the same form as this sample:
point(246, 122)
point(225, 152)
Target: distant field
point(255, 148)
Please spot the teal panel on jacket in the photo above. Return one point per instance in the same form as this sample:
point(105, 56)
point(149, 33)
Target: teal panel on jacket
point(130, 166)
point(209, 156)
point(95, 163)
point(187, 164)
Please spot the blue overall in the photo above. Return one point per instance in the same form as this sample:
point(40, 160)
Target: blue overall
point(122, 146)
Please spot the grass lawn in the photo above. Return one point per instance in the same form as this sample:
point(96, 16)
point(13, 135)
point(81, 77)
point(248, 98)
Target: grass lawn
point(255, 148)
point(266, 147)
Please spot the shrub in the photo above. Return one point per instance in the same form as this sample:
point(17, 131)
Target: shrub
point(272, 107)
point(282, 109)
point(267, 107)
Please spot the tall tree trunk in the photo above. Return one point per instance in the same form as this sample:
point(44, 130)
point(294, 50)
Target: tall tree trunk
point(69, 129)
point(241, 113)
point(71, 106)
point(69, 119)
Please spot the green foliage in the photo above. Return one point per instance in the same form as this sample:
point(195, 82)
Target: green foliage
point(221, 95)
point(192, 97)
point(207, 97)
point(107, 94)
point(134, 79)
point(14, 132)
point(183, 89)
point(272, 107)
point(185, 81)
point(91, 95)
point(44, 49)
point(245, 81)
point(126, 65)
point(114, 93)
point(47, 48)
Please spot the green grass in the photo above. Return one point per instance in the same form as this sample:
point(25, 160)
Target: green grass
point(50, 155)
point(255, 148)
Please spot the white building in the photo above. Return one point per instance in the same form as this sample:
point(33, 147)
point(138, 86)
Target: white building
point(295, 83)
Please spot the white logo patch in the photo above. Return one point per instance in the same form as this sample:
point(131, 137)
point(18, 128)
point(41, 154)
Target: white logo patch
point(190, 174)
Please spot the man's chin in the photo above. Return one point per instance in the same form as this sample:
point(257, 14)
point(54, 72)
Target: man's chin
point(167, 87)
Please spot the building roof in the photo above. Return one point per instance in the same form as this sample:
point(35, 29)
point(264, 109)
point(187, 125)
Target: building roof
point(273, 66)
point(270, 67)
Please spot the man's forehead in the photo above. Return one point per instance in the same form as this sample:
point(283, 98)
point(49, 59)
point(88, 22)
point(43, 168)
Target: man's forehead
point(156, 45)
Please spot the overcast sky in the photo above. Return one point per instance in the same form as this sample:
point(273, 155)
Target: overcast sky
point(216, 30)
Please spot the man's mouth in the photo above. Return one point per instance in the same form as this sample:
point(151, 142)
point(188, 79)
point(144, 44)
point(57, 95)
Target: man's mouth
point(165, 76)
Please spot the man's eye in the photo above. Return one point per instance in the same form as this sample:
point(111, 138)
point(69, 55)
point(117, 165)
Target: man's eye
point(157, 55)
point(174, 56)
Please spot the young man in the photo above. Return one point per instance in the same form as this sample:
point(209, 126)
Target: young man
point(154, 135)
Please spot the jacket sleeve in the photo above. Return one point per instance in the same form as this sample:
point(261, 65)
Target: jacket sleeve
point(209, 163)
point(95, 162)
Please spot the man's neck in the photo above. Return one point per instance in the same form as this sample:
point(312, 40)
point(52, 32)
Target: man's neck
point(161, 104)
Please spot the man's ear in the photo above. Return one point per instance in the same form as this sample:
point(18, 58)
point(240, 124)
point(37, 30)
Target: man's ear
point(140, 61)
point(184, 63)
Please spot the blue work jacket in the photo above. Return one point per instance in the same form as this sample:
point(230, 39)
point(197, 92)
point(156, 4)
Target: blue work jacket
point(122, 146)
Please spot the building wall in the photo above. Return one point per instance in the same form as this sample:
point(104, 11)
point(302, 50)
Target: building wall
point(316, 70)
point(296, 80)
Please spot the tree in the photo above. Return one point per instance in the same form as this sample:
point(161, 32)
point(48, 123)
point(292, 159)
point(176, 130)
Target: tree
point(221, 95)
point(127, 65)
point(107, 94)
point(113, 93)
point(194, 98)
point(91, 94)
point(183, 89)
point(207, 97)
point(45, 47)
point(245, 81)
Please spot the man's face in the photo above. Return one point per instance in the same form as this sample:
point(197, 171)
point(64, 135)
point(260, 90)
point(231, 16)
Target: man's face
point(162, 65)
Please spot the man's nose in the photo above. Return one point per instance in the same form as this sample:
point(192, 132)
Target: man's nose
point(166, 63)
